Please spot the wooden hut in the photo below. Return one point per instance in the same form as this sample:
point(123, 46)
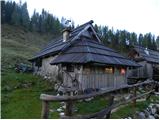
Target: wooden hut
point(149, 59)
point(83, 60)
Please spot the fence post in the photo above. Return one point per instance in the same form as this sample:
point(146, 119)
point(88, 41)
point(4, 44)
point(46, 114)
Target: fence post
point(149, 95)
point(69, 108)
point(111, 101)
point(45, 110)
point(134, 95)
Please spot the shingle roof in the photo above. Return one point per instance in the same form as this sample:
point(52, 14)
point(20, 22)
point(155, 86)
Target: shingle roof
point(150, 56)
point(82, 47)
point(88, 51)
point(56, 45)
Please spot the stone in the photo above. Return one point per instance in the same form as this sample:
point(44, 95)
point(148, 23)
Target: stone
point(127, 97)
point(59, 110)
point(150, 105)
point(153, 110)
point(156, 116)
point(52, 110)
point(62, 103)
point(88, 99)
point(149, 109)
point(146, 113)
point(64, 106)
point(151, 117)
point(141, 115)
point(61, 114)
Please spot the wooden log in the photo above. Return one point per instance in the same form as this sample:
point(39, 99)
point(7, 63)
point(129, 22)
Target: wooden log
point(45, 110)
point(111, 101)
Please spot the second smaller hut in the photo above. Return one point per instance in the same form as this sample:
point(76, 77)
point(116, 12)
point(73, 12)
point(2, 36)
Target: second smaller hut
point(149, 59)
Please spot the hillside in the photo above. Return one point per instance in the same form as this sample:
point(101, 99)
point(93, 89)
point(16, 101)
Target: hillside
point(18, 44)
point(20, 90)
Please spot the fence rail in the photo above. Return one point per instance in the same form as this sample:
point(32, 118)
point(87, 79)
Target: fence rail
point(105, 112)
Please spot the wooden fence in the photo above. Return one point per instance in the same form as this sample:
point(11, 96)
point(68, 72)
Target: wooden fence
point(104, 113)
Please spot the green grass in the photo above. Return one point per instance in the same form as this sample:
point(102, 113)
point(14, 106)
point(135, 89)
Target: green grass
point(22, 102)
point(92, 106)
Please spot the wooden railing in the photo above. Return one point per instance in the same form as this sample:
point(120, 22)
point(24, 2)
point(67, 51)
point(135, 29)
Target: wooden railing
point(104, 112)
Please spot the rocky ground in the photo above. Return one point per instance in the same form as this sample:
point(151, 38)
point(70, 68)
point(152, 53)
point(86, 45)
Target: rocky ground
point(151, 112)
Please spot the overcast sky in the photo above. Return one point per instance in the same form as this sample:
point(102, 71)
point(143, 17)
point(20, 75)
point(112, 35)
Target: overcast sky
point(140, 16)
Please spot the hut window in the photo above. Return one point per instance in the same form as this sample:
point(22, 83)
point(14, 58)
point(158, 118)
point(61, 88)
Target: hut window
point(122, 71)
point(38, 63)
point(109, 70)
point(70, 68)
point(87, 70)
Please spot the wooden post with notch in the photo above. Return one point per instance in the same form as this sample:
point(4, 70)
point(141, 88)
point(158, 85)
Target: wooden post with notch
point(149, 95)
point(134, 95)
point(69, 108)
point(111, 101)
point(45, 110)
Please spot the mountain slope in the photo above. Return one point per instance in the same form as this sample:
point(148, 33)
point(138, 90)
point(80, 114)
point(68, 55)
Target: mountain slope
point(18, 44)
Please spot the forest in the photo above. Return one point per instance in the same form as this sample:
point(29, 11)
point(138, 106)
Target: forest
point(17, 14)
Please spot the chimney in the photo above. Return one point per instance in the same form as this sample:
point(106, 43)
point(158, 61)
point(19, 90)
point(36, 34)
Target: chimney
point(66, 33)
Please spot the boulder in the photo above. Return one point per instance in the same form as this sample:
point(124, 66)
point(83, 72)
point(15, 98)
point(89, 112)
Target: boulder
point(151, 117)
point(61, 114)
point(141, 115)
point(59, 109)
point(146, 112)
point(156, 116)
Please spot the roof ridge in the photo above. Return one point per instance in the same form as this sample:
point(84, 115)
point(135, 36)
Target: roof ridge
point(144, 48)
point(85, 24)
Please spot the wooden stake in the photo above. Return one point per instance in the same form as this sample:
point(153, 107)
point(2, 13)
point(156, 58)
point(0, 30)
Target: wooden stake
point(69, 108)
point(134, 95)
point(45, 110)
point(111, 101)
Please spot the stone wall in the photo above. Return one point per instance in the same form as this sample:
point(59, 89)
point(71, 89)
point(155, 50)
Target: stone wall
point(47, 70)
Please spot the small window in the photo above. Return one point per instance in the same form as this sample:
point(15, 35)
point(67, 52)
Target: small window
point(70, 68)
point(122, 71)
point(109, 70)
point(38, 63)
